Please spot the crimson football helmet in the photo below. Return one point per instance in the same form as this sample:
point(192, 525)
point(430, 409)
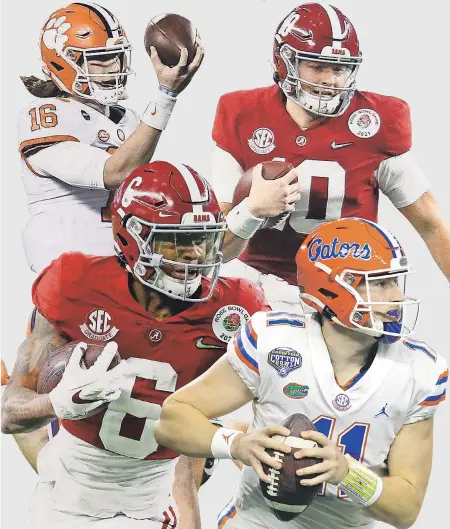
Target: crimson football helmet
point(80, 32)
point(321, 33)
point(168, 230)
point(336, 258)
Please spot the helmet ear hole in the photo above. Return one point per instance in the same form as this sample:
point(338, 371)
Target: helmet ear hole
point(57, 66)
point(123, 241)
point(327, 293)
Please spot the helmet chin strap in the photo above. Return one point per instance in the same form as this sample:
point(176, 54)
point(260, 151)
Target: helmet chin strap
point(317, 104)
point(392, 327)
point(380, 328)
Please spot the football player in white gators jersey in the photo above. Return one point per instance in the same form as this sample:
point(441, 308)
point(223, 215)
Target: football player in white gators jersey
point(77, 143)
point(350, 367)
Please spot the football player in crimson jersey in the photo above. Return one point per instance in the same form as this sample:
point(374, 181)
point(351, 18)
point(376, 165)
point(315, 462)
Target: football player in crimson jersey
point(345, 145)
point(162, 302)
point(351, 367)
point(76, 141)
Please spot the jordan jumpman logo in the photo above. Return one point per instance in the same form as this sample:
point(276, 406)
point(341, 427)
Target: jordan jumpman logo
point(382, 411)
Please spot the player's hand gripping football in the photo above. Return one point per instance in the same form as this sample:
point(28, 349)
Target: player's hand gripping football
point(250, 449)
point(81, 391)
point(332, 469)
point(269, 198)
point(177, 77)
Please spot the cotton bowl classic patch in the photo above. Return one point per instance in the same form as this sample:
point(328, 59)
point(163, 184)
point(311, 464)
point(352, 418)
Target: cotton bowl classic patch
point(284, 360)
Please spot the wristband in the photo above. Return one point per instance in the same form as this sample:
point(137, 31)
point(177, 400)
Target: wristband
point(242, 222)
point(159, 110)
point(168, 92)
point(361, 484)
point(222, 441)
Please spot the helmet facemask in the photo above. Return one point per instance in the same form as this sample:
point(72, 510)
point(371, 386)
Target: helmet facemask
point(368, 316)
point(89, 85)
point(194, 250)
point(320, 102)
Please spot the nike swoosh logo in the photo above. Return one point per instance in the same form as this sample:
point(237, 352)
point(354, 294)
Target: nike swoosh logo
point(200, 345)
point(79, 400)
point(335, 145)
point(153, 112)
point(161, 214)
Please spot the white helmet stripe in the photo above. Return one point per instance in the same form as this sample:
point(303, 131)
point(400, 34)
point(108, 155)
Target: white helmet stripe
point(335, 25)
point(109, 18)
point(194, 191)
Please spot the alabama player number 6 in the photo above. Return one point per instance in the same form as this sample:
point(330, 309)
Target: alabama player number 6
point(166, 380)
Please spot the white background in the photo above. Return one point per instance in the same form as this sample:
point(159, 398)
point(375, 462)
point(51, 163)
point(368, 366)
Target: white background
point(403, 50)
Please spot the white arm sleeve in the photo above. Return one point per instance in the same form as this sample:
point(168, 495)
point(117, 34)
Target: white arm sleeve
point(74, 163)
point(401, 180)
point(226, 173)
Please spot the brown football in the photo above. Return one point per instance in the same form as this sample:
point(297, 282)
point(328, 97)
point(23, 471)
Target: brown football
point(271, 170)
point(168, 33)
point(53, 370)
point(285, 496)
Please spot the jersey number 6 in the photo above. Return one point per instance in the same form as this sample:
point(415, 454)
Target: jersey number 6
point(126, 405)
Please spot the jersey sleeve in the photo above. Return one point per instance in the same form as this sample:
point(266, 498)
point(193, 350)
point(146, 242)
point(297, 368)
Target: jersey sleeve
point(397, 127)
point(430, 377)
point(76, 164)
point(47, 293)
point(58, 285)
point(401, 180)
point(47, 122)
point(242, 352)
point(54, 141)
point(226, 128)
point(225, 174)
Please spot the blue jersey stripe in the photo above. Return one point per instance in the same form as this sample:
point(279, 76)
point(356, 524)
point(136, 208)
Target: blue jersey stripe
point(243, 351)
point(434, 397)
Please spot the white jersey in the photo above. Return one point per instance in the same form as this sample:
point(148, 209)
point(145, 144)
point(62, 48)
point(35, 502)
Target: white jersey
point(284, 361)
point(64, 145)
point(94, 483)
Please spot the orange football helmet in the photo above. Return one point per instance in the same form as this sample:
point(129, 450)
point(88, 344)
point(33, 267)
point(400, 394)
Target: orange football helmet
point(76, 34)
point(340, 255)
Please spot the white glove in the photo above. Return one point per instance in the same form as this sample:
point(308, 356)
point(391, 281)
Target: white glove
point(82, 390)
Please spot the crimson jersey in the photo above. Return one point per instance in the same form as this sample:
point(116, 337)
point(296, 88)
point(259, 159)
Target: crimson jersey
point(339, 163)
point(87, 298)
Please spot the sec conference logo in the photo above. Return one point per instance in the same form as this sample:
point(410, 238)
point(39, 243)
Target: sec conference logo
point(341, 402)
point(262, 141)
point(98, 326)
